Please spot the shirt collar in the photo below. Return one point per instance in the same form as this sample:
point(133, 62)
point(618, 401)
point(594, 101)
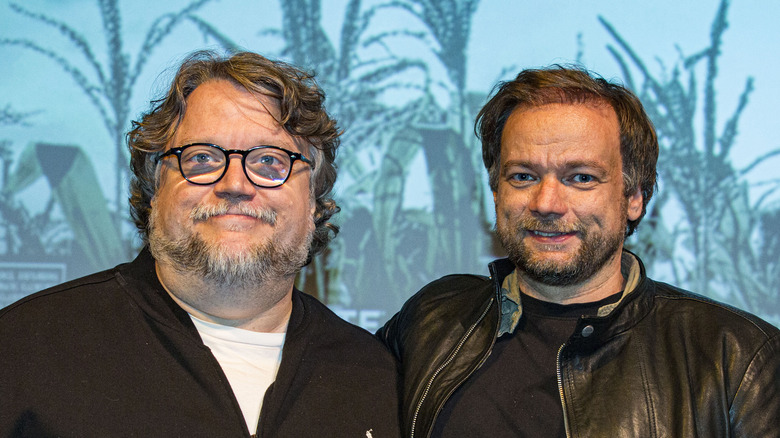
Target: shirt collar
point(512, 309)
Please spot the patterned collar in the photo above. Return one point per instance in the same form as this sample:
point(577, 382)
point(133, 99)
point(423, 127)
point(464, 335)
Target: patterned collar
point(512, 309)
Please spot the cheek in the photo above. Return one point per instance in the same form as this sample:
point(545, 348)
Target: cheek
point(600, 213)
point(307, 214)
point(299, 201)
point(296, 211)
point(161, 211)
point(174, 203)
point(506, 214)
point(312, 206)
point(509, 203)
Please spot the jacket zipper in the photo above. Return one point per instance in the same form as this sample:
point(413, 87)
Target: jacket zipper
point(560, 390)
point(444, 365)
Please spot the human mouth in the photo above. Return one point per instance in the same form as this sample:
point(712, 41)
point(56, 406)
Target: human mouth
point(548, 234)
point(547, 237)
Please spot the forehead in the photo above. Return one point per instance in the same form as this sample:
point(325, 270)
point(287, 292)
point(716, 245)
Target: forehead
point(562, 129)
point(224, 113)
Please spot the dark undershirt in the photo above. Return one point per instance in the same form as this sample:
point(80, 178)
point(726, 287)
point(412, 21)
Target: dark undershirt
point(515, 392)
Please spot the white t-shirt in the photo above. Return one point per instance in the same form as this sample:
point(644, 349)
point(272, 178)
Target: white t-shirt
point(249, 359)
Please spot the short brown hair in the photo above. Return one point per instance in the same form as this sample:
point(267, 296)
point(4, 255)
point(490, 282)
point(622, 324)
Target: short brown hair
point(559, 84)
point(303, 115)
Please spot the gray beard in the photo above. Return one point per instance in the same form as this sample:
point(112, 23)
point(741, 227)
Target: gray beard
point(593, 254)
point(191, 256)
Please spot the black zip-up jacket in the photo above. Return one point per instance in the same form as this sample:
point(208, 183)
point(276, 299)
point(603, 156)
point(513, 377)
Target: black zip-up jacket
point(663, 363)
point(112, 355)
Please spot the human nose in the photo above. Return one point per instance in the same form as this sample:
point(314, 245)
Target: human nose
point(234, 183)
point(547, 198)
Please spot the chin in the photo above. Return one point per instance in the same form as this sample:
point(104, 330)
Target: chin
point(239, 243)
point(557, 255)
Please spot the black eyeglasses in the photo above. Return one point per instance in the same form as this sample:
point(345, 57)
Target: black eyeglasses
point(264, 166)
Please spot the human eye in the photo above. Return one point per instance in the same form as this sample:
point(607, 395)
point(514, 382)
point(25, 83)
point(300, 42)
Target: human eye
point(519, 178)
point(201, 155)
point(201, 159)
point(268, 158)
point(268, 163)
point(583, 180)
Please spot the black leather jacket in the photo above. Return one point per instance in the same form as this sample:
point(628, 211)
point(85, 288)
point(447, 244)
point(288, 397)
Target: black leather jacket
point(663, 363)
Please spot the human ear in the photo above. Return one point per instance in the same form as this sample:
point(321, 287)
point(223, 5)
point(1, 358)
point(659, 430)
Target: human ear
point(634, 208)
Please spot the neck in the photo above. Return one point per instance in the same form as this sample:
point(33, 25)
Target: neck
point(607, 281)
point(265, 307)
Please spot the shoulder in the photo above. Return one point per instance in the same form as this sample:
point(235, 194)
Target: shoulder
point(329, 362)
point(327, 319)
point(450, 288)
point(709, 314)
point(330, 332)
point(80, 295)
point(81, 315)
point(723, 338)
point(715, 331)
point(453, 285)
point(440, 310)
point(452, 298)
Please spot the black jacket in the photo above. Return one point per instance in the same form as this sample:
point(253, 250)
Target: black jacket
point(112, 355)
point(663, 363)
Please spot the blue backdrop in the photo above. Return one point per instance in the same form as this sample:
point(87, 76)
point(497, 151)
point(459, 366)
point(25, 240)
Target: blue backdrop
point(405, 78)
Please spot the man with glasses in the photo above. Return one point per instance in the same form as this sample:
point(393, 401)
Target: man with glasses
point(204, 334)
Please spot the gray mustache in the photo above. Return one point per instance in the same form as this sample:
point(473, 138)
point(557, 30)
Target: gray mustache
point(203, 212)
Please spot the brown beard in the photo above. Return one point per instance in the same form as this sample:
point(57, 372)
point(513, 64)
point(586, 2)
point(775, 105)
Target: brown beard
point(593, 254)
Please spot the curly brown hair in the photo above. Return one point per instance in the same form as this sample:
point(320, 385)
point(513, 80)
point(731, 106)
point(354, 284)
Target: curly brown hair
point(303, 115)
point(572, 84)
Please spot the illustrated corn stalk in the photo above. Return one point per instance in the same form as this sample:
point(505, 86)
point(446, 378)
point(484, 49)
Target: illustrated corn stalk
point(385, 247)
point(364, 255)
point(108, 85)
point(711, 250)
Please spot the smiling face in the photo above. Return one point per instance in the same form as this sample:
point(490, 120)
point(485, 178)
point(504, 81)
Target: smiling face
point(560, 207)
point(232, 230)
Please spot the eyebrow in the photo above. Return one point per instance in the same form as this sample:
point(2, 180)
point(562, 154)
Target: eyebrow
point(587, 163)
point(574, 164)
point(208, 140)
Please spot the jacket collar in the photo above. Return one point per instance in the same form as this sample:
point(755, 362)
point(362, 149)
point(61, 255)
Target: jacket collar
point(140, 282)
point(504, 276)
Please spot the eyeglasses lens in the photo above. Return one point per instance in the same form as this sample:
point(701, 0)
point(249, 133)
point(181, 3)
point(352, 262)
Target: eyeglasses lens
point(268, 165)
point(204, 164)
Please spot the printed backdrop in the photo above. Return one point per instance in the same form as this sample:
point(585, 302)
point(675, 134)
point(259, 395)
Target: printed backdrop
point(405, 78)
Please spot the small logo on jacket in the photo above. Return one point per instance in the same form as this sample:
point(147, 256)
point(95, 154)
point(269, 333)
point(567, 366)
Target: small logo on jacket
point(368, 433)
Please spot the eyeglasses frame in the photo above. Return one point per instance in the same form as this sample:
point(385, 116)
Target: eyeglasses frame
point(177, 151)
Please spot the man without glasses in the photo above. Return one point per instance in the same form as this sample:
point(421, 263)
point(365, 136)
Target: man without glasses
point(204, 334)
point(568, 337)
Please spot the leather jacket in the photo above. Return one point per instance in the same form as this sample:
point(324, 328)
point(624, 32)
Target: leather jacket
point(663, 363)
